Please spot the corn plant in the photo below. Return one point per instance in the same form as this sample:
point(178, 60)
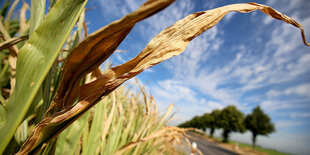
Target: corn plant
point(125, 123)
point(48, 91)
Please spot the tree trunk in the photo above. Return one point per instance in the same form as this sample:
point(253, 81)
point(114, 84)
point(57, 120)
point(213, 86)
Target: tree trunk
point(254, 140)
point(225, 136)
point(211, 132)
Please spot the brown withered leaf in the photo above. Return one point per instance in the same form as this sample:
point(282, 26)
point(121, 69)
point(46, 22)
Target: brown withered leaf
point(13, 53)
point(23, 26)
point(9, 43)
point(163, 133)
point(95, 49)
point(168, 43)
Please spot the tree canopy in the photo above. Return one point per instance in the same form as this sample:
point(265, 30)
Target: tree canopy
point(231, 120)
point(258, 123)
point(211, 120)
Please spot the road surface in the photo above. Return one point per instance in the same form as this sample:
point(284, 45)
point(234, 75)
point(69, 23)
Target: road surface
point(209, 148)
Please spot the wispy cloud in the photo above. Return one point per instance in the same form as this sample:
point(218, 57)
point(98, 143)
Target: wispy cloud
point(280, 63)
point(285, 124)
point(119, 8)
point(229, 16)
point(301, 90)
point(158, 22)
point(291, 105)
point(299, 114)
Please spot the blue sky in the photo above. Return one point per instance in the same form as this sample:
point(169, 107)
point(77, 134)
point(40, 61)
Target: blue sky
point(246, 60)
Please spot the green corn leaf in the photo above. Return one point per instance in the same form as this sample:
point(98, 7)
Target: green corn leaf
point(4, 70)
point(68, 140)
point(35, 60)
point(79, 29)
point(37, 14)
point(93, 139)
point(2, 113)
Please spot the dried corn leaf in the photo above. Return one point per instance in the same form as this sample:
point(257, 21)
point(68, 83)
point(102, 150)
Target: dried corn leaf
point(8, 17)
point(9, 43)
point(6, 36)
point(96, 48)
point(170, 42)
point(163, 133)
point(23, 26)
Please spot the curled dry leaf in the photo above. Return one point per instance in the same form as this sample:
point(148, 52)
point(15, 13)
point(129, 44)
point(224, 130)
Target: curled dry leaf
point(170, 42)
point(95, 49)
point(23, 26)
point(9, 43)
point(165, 132)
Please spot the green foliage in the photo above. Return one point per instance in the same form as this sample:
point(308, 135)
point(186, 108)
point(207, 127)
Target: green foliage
point(195, 122)
point(258, 123)
point(212, 121)
point(35, 59)
point(231, 120)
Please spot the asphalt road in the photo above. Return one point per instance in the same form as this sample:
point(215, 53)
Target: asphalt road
point(209, 148)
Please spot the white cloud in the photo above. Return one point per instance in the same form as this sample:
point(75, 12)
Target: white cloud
point(178, 93)
point(209, 5)
point(273, 93)
point(301, 90)
point(285, 124)
point(197, 53)
point(158, 22)
point(174, 91)
point(299, 114)
point(267, 20)
point(275, 105)
point(118, 8)
point(120, 58)
point(215, 105)
point(289, 6)
point(229, 16)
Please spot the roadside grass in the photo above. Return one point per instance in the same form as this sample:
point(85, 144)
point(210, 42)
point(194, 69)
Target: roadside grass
point(257, 148)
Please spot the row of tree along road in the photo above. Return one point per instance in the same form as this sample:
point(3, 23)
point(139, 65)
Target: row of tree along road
point(230, 119)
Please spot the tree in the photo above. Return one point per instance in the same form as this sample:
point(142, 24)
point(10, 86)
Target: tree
point(258, 123)
point(231, 120)
point(211, 121)
point(206, 119)
point(195, 122)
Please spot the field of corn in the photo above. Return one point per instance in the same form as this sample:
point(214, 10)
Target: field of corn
point(56, 100)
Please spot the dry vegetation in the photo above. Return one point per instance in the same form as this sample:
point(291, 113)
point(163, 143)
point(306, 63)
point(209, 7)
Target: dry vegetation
point(45, 87)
